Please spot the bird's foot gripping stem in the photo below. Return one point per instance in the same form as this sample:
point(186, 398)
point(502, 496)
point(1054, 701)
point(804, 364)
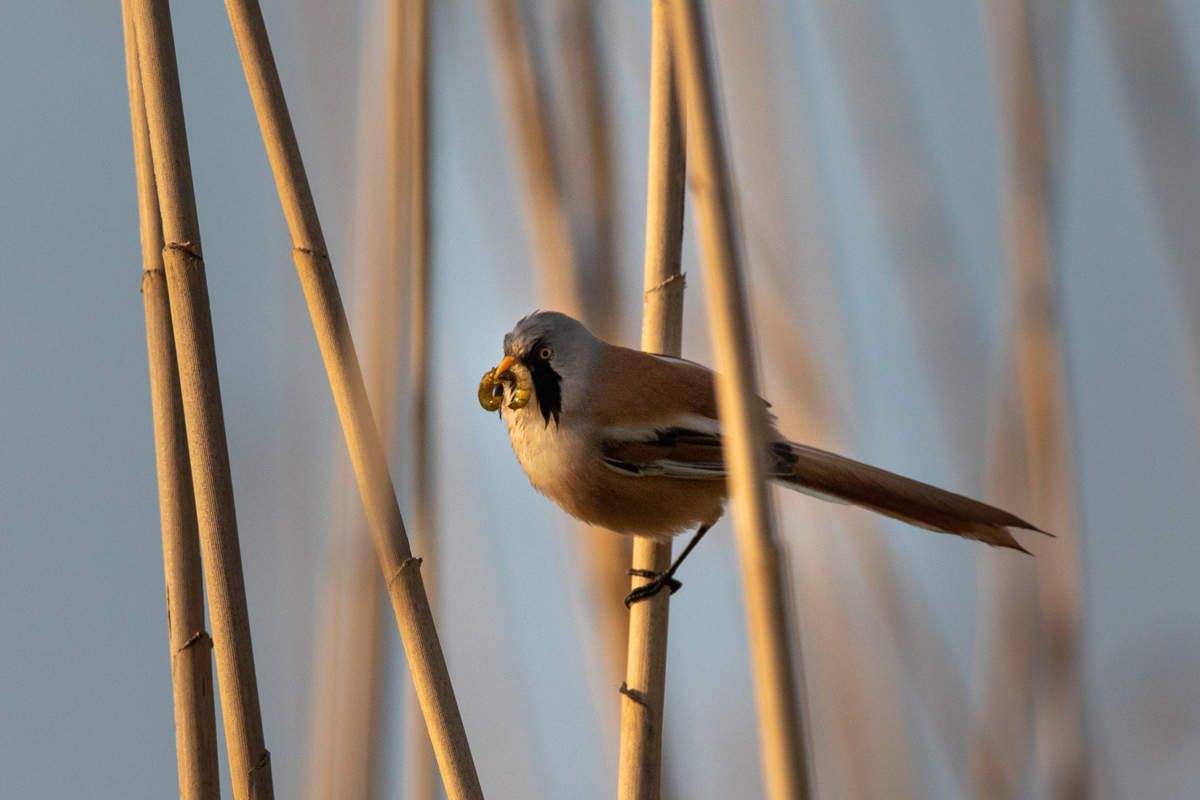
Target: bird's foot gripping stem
point(658, 582)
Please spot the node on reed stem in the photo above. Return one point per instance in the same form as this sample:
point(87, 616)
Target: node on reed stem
point(249, 760)
point(190, 646)
point(401, 571)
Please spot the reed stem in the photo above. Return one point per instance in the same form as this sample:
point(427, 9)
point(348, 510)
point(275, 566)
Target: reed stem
point(249, 760)
point(781, 730)
point(640, 760)
point(419, 772)
point(1039, 468)
point(190, 644)
point(400, 569)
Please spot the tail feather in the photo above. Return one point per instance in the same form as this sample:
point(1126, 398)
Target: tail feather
point(834, 477)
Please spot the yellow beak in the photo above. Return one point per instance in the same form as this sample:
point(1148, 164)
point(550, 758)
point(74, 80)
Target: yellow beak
point(503, 366)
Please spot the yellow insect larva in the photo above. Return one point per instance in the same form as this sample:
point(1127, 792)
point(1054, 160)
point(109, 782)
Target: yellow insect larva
point(520, 397)
point(491, 393)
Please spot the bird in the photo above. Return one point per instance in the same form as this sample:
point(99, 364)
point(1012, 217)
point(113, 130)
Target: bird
point(631, 441)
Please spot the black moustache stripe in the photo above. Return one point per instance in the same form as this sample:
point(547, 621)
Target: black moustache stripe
point(547, 385)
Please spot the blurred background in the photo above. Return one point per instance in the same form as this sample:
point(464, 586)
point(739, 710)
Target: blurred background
point(972, 250)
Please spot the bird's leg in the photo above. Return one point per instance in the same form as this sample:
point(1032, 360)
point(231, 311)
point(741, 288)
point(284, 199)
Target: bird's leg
point(666, 579)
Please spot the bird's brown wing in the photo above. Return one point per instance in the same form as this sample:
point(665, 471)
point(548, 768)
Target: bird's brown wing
point(633, 388)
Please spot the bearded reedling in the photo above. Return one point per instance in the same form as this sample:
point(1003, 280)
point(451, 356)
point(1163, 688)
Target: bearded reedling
point(631, 441)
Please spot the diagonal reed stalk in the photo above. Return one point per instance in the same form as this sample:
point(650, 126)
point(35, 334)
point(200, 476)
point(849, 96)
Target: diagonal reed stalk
point(190, 644)
point(401, 570)
point(249, 761)
point(777, 690)
point(562, 281)
point(640, 761)
point(419, 769)
point(1038, 462)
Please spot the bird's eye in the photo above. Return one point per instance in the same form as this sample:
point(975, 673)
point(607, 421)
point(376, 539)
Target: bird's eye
point(545, 353)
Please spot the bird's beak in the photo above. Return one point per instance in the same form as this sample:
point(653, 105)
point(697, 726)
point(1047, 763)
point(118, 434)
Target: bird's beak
point(503, 366)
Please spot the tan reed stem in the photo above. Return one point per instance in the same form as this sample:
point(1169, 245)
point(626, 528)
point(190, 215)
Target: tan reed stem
point(190, 644)
point(1041, 467)
point(400, 569)
point(777, 691)
point(562, 281)
point(419, 772)
point(249, 761)
point(640, 760)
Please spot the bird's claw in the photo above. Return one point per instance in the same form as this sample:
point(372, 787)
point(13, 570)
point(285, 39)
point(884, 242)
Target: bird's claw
point(657, 583)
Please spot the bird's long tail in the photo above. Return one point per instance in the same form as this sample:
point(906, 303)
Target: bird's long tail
point(833, 477)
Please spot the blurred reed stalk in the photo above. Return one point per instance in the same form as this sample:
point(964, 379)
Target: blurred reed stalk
point(586, 150)
point(383, 243)
point(249, 761)
point(903, 185)
point(400, 569)
point(419, 772)
point(533, 148)
point(563, 284)
point(777, 689)
point(919, 646)
point(869, 740)
point(640, 761)
point(1154, 72)
point(1039, 462)
point(190, 644)
point(347, 747)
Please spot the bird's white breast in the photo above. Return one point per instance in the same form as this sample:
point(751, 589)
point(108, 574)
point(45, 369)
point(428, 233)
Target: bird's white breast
point(551, 455)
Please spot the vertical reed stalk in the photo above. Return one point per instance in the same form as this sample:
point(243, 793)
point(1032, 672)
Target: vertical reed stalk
point(640, 762)
point(1042, 467)
point(400, 569)
point(249, 761)
point(419, 772)
point(781, 731)
point(562, 280)
point(190, 644)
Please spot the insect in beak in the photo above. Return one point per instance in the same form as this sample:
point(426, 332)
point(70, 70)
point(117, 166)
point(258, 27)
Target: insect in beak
point(491, 389)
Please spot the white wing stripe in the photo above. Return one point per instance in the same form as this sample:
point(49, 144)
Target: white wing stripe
point(645, 433)
point(667, 468)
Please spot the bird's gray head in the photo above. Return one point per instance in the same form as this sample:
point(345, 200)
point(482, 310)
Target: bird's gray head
point(549, 356)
